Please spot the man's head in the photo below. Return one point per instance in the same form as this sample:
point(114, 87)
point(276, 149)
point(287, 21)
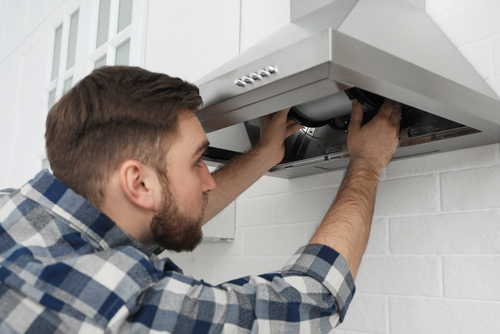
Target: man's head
point(118, 120)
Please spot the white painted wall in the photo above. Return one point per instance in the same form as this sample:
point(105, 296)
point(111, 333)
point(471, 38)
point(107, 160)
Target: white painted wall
point(432, 263)
point(26, 46)
point(24, 60)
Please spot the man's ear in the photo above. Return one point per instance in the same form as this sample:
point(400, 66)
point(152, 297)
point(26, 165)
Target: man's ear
point(139, 184)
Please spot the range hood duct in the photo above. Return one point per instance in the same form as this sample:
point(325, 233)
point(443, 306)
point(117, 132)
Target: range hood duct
point(388, 48)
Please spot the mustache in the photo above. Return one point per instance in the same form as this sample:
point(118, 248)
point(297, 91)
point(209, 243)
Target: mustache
point(205, 201)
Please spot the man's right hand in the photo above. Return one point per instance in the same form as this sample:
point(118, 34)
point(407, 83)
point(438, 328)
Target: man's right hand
point(376, 141)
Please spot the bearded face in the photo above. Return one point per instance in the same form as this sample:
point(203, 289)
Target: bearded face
point(185, 182)
point(176, 230)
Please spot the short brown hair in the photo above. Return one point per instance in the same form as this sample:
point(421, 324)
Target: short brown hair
point(112, 115)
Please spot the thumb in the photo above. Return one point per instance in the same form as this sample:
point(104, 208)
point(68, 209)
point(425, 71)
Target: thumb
point(356, 116)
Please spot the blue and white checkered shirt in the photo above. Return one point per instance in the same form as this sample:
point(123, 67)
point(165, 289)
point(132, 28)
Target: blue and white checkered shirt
point(65, 267)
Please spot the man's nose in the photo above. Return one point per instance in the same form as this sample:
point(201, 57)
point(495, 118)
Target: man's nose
point(208, 182)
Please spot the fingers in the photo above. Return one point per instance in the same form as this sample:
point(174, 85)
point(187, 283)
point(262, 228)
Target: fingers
point(356, 116)
point(281, 115)
point(285, 111)
point(392, 110)
point(290, 122)
point(386, 108)
point(396, 113)
point(292, 128)
point(265, 120)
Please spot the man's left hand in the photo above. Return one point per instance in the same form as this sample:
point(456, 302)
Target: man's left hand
point(240, 173)
point(274, 129)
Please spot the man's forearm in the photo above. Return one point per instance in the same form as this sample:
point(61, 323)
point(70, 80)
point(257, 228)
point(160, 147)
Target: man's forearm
point(235, 177)
point(242, 172)
point(346, 226)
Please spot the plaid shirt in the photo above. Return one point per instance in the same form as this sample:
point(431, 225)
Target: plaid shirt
point(65, 267)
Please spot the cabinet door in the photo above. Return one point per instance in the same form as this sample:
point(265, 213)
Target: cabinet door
point(221, 227)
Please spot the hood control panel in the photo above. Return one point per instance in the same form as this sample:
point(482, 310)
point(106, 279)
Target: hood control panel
point(257, 75)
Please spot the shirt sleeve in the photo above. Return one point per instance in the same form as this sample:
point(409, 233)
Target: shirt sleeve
point(311, 294)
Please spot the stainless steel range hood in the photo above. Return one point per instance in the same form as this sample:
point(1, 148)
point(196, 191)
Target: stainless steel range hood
point(386, 47)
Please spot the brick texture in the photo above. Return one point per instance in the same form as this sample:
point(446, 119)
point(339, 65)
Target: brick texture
point(443, 316)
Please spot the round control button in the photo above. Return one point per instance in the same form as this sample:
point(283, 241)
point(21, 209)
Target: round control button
point(263, 73)
point(255, 76)
point(240, 83)
point(247, 79)
point(271, 69)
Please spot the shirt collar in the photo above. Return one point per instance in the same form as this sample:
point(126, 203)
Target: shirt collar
point(58, 198)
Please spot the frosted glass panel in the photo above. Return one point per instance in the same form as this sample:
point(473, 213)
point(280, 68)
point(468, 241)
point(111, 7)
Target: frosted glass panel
point(124, 14)
point(67, 84)
point(73, 32)
point(52, 98)
point(57, 53)
point(103, 22)
point(100, 62)
point(122, 53)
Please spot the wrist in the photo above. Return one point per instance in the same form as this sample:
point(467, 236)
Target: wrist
point(370, 168)
point(268, 155)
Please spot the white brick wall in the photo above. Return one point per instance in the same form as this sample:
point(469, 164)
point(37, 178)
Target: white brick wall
point(442, 316)
point(474, 27)
point(433, 260)
point(260, 18)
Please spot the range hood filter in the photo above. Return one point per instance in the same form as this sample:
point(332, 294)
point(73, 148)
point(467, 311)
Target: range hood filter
point(319, 112)
point(322, 111)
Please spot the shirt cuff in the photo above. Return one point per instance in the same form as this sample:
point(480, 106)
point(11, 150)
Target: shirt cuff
point(328, 267)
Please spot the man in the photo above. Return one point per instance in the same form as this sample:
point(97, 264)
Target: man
point(126, 151)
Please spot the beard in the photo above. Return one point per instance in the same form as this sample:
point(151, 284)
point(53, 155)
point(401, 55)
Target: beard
point(174, 230)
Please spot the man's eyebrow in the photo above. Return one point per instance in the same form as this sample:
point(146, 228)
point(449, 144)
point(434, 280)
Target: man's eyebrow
point(204, 145)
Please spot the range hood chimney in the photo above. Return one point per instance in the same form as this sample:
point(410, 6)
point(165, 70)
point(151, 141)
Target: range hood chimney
point(381, 48)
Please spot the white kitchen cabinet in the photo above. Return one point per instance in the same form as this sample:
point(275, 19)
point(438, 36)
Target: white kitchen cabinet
point(221, 227)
